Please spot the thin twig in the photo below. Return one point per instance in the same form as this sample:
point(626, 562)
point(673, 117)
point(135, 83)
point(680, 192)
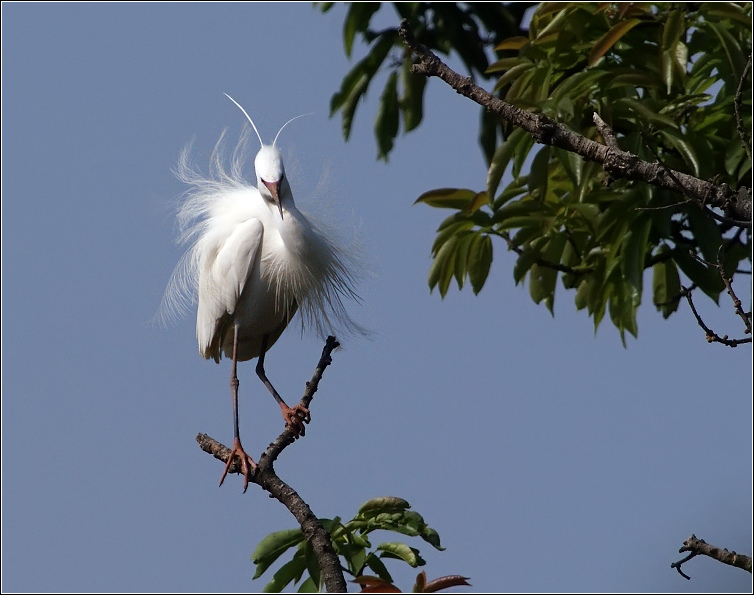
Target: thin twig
point(712, 336)
point(662, 208)
point(727, 220)
point(742, 133)
point(728, 281)
point(677, 565)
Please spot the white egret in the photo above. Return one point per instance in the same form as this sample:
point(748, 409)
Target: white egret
point(254, 260)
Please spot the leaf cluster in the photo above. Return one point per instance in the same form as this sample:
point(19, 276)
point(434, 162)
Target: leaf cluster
point(667, 78)
point(351, 542)
point(465, 29)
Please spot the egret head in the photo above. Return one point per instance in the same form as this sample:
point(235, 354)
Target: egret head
point(270, 174)
point(268, 164)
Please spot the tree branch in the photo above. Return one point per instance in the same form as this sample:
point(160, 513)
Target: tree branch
point(712, 336)
point(264, 476)
point(699, 546)
point(746, 317)
point(619, 164)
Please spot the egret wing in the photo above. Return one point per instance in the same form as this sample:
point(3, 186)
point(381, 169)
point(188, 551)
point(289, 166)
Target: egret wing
point(221, 280)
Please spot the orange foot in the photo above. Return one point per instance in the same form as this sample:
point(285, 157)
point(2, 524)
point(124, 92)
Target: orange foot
point(247, 463)
point(295, 418)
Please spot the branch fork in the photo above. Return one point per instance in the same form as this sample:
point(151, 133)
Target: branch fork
point(264, 476)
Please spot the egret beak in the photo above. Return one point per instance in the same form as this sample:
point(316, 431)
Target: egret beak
point(274, 188)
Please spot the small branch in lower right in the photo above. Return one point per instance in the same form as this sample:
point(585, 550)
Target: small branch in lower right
point(697, 546)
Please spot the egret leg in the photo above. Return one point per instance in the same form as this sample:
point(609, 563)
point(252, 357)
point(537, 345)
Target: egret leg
point(295, 417)
point(247, 463)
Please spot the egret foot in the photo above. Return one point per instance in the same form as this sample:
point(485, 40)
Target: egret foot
point(247, 463)
point(295, 417)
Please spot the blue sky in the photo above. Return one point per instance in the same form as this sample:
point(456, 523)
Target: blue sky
point(548, 458)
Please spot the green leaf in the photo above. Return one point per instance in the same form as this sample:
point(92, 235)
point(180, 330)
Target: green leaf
point(412, 102)
point(378, 567)
point(706, 233)
point(517, 209)
point(666, 285)
point(645, 113)
point(465, 239)
point(684, 102)
point(538, 86)
point(512, 43)
point(707, 279)
point(383, 504)
point(622, 312)
point(489, 124)
point(289, 572)
point(587, 293)
point(634, 250)
point(432, 537)
point(308, 586)
point(357, 20)
point(502, 157)
point(356, 82)
point(453, 225)
point(479, 261)
point(506, 64)
point(732, 49)
point(512, 190)
point(610, 38)
point(519, 158)
point(350, 104)
point(386, 123)
point(272, 546)
point(402, 552)
point(573, 86)
point(734, 155)
point(443, 266)
point(680, 143)
point(673, 67)
point(312, 564)
point(674, 27)
point(723, 11)
point(539, 177)
point(523, 264)
point(542, 279)
point(512, 75)
point(571, 163)
point(448, 198)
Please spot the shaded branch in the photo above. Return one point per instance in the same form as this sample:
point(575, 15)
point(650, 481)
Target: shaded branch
point(617, 163)
point(728, 281)
point(264, 475)
point(698, 546)
point(606, 132)
point(679, 188)
point(712, 336)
